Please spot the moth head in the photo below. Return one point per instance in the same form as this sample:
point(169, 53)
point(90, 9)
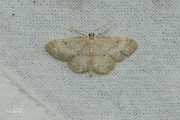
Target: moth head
point(91, 34)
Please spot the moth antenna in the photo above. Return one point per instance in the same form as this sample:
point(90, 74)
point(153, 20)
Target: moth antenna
point(104, 25)
point(84, 31)
point(76, 31)
point(102, 33)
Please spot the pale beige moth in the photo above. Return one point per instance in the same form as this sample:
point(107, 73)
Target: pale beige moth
point(91, 53)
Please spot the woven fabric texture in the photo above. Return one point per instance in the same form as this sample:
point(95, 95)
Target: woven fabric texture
point(144, 86)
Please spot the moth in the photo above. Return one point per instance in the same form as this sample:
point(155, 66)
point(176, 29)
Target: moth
point(91, 53)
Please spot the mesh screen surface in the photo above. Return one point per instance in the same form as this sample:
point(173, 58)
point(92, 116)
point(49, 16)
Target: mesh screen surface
point(144, 86)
